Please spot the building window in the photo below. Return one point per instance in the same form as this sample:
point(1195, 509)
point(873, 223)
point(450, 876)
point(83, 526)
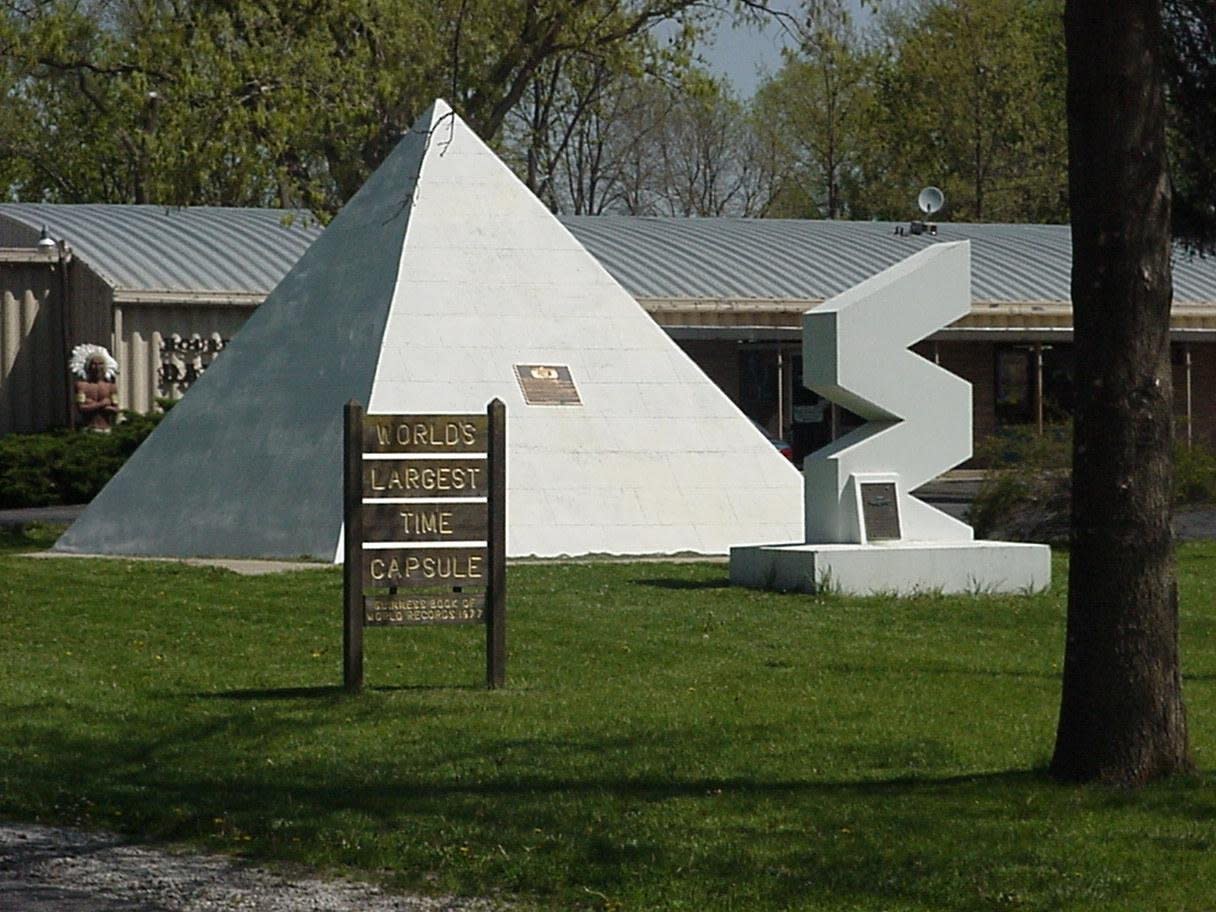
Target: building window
point(758, 383)
point(1057, 383)
point(1014, 385)
point(1017, 378)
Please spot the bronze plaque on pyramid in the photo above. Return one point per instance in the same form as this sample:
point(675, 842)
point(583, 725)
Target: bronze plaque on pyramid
point(547, 384)
point(880, 511)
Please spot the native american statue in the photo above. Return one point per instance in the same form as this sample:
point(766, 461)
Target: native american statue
point(96, 392)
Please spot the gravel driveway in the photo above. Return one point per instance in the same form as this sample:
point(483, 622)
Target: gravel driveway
point(54, 869)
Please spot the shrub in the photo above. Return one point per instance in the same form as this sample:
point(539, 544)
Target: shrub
point(1194, 475)
point(66, 467)
point(1025, 496)
point(1027, 493)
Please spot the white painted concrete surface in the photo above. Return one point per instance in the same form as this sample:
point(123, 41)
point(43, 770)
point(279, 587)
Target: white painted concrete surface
point(855, 353)
point(432, 283)
point(901, 568)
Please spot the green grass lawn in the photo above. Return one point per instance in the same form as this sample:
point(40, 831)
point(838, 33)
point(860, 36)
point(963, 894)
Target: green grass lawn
point(664, 742)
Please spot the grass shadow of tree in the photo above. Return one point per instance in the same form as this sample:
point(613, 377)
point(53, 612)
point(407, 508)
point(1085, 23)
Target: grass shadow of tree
point(683, 584)
point(585, 813)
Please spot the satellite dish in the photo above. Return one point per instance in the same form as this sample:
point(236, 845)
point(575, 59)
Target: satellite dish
point(930, 200)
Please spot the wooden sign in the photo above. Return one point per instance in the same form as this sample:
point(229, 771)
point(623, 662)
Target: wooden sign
point(425, 477)
point(401, 611)
point(424, 521)
point(425, 433)
point(430, 567)
point(425, 512)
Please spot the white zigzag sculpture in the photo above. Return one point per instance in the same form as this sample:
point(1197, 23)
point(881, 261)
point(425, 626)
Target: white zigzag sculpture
point(865, 533)
point(855, 353)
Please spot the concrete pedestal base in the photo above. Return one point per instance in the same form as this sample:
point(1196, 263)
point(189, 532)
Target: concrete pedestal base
point(894, 567)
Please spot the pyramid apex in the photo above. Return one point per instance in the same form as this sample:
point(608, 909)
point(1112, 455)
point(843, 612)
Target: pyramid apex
point(438, 110)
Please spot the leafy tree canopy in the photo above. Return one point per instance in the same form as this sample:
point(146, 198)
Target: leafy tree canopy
point(963, 94)
point(1191, 84)
point(287, 102)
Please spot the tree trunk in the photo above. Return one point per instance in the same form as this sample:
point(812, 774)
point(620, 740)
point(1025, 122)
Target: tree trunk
point(1122, 718)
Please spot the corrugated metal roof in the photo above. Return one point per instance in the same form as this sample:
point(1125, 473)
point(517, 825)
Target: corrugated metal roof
point(191, 249)
point(814, 260)
point(213, 249)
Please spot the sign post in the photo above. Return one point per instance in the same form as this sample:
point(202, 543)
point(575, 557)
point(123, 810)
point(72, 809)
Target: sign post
point(496, 610)
point(352, 582)
point(425, 521)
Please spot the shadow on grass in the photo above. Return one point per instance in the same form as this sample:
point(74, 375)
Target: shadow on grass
point(326, 691)
point(32, 536)
point(631, 814)
point(682, 584)
point(599, 813)
point(273, 693)
point(862, 668)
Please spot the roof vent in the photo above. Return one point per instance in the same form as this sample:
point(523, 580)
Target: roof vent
point(916, 226)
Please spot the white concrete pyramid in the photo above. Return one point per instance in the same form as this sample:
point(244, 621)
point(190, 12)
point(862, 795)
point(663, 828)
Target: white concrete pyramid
point(438, 277)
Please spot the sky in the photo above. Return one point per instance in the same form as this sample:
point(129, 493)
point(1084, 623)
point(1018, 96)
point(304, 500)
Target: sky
point(746, 54)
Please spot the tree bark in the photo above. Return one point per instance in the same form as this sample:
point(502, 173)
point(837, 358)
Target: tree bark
point(1122, 718)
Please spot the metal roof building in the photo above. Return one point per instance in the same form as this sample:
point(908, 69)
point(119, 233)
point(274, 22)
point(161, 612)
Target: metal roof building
point(761, 272)
point(164, 288)
point(204, 250)
point(786, 259)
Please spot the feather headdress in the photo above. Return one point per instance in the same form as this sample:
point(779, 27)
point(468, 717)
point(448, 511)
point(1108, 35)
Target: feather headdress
point(78, 364)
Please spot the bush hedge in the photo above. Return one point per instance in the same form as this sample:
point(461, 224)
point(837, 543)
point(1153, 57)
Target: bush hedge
point(66, 467)
point(1194, 475)
point(1027, 495)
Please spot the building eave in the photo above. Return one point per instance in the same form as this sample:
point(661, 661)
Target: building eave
point(249, 299)
point(779, 318)
point(29, 255)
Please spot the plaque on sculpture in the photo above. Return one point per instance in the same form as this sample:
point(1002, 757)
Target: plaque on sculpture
point(880, 511)
point(547, 384)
